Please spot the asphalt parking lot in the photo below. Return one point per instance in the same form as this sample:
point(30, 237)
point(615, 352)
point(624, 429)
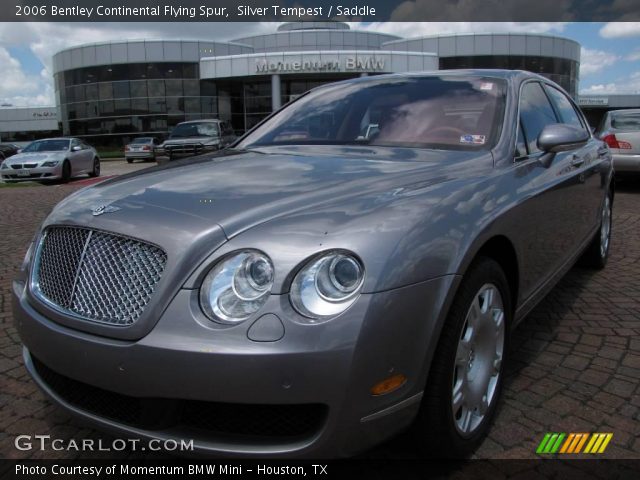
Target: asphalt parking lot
point(575, 361)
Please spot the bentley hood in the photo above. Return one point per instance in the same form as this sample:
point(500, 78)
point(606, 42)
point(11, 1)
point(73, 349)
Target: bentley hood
point(240, 190)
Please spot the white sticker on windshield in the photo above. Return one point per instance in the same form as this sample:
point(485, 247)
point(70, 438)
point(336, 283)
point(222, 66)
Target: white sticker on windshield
point(473, 139)
point(486, 86)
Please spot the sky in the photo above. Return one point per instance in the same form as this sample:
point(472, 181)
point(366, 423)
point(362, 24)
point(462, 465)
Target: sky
point(610, 57)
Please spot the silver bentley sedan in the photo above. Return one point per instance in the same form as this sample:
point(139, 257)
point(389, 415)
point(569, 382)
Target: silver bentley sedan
point(51, 159)
point(351, 268)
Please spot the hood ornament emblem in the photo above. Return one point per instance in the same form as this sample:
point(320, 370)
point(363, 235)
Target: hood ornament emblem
point(103, 209)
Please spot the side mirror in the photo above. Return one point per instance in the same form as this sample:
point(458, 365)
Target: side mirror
point(77, 148)
point(559, 137)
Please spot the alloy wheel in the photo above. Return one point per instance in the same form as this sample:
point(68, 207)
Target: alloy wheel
point(478, 360)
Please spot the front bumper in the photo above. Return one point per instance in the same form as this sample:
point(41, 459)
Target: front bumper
point(626, 163)
point(326, 369)
point(31, 174)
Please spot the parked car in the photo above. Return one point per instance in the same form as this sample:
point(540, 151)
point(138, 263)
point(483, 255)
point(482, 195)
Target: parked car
point(620, 129)
point(321, 285)
point(7, 150)
point(196, 137)
point(141, 148)
point(51, 159)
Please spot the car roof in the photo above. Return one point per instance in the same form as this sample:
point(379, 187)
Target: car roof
point(516, 76)
point(55, 138)
point(624, 111)
point(212, 120)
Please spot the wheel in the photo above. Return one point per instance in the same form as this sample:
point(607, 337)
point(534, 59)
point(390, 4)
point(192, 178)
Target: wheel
point(597, 253)
point(129, 160)
point(96, 168)
point(66, 172)
point(465, 380)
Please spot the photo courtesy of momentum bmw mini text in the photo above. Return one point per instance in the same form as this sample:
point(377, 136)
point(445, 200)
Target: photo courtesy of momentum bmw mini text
point(381, 239)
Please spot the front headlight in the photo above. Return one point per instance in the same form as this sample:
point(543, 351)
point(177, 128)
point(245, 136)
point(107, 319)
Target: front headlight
point(237, 287)
point(327, 285)
point(4, 166)
point(51, 163)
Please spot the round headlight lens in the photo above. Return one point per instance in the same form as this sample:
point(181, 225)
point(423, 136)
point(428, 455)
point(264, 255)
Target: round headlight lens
point(327, 285)
point(237, 287)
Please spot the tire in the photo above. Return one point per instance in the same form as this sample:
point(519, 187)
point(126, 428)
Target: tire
point(66, 172)
point(469, 360)
point(129, 160)
point(597, 253)
point(96, 168)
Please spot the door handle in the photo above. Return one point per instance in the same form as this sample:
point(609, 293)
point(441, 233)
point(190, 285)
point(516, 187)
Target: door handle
point(577, 161)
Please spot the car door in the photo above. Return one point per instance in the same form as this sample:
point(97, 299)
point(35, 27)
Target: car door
point(88, 156)
point(75, 156)
point(586, 162)
point(550, 190)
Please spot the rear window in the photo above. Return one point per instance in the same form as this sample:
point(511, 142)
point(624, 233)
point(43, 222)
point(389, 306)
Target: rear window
point(447, 112)
point(626, 122)
point(142, 140)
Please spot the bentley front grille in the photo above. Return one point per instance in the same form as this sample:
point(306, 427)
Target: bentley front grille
point(98, 276)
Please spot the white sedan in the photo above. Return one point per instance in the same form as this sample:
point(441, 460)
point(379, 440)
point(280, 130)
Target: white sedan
point(51, 159)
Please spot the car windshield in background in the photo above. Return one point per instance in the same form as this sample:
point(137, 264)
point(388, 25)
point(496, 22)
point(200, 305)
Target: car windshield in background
point(447, 112)
point(628, 122)
point(187, 130)
point(142, 140)
point(47, 146)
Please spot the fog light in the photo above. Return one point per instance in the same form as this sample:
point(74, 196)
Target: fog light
point(388, 385)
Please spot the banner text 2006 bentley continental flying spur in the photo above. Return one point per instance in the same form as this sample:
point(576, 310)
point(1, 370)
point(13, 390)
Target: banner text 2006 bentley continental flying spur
point(348, 269)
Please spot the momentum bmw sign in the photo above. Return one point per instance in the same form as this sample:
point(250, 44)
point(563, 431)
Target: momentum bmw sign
point(348, 64)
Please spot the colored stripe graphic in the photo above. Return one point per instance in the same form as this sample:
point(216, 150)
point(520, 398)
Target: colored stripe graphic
point(573, 443)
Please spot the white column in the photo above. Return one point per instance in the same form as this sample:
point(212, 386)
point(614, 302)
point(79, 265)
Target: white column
point(276, 96)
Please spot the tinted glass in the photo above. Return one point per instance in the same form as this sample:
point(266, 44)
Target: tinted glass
point(535, 113)
point(627, 122)
point(565, 108)
point(47, 146)
point(430, 112)
point(142, 140)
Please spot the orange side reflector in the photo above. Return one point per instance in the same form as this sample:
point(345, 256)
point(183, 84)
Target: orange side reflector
point(388, 385)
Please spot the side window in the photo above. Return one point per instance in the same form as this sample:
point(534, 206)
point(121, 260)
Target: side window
point(74, 143)
point(535, 113)
point(521, 145)
point(566, 110)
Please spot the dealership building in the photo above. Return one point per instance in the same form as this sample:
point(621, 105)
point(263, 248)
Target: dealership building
point(111, 92)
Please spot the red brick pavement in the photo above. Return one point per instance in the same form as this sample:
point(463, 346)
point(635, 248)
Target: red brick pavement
point(575, 361)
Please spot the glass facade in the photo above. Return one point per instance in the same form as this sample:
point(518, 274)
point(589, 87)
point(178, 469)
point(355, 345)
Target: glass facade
point(111, 103)
point(560, 70)
point(246, 102)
